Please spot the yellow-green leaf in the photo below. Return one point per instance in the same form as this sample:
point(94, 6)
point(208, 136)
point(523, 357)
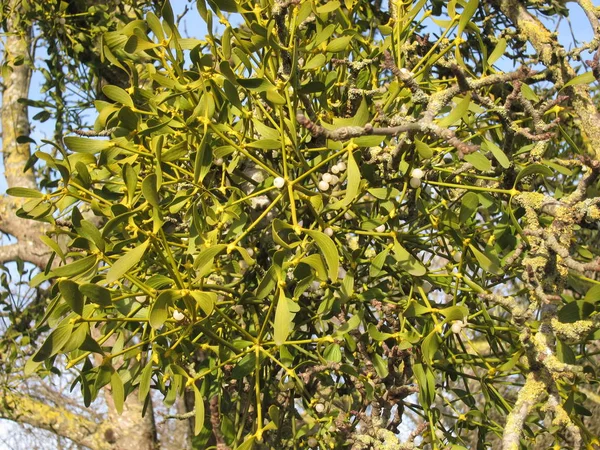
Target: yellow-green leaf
point(86, 145)
point(126, 262)
point(76, 267)
point(159, 311)
point(70, 292)
point(328, 250)
point(150, 190)
point(199, 409)
point(339, 44)
point(117, 391)
point(283, 320)
point(497, 52)
point(206, 300)
point(24, 192)
point(456, 113)
point(353, 183)
point(466, 15)
point(118, 95)
point(584, 78)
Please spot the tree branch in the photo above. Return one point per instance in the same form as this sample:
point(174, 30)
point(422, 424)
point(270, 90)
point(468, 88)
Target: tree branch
point(82, 431)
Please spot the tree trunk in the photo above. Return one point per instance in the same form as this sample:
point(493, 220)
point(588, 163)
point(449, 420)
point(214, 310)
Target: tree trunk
point(129, 430)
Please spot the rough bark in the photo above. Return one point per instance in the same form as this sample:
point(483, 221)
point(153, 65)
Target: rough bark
point(15, 123)
point(552, 55)
point(61, 421)
point(125, 431)
point(130, 430)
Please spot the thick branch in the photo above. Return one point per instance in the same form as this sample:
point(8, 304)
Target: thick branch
point(80, 430)
point(15, 121)
point(552, 54)
point(532, 393)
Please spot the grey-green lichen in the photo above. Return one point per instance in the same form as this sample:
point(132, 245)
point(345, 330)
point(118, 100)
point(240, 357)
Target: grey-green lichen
point(574, 331)
point(532, 393)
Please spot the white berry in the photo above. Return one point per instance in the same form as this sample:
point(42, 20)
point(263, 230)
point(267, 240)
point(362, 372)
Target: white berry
point(380, 228)
point(341, 166)
point(328, 231)
point(417, 173)
point(278, 182)
point(323, 185)
point(334, 180)
point(178, 315)
point(415, 183)
point(327, 177)
point(319, 407)
point(335, 169)
point(218, 162)
point(457, 256)
point(457, 326)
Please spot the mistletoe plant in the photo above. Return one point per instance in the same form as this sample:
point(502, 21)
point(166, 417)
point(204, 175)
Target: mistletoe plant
point(322, 221)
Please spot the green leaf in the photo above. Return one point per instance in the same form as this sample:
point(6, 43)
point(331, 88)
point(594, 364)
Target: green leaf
point(452, 313)
point(248, 444)
point(429, 347)
point(70, 292)
point(469, 204)
point(350, 325)
point(423, 149)
point(126, 262)
point(283, 320)
point(378, 262)
point(576, 310)
point(531, 169)
point(339, 44)
point(54, 342)
point(328, 250)
point(159, 310)
point(584, 78)
point(466, 15)
point(328, 7)
point(316, 262)
point(593, 294)
point(24, 192)
point(255, 84)
point(97, 294)
point(203, 160)
point(499, 155)
point(150, 190)
point(381, 365)
point(145, 380)
point(565, 353)
point(199, 409)
point(86, 145)
point(117, 391)
point(76, 267)
point(489, 263)
point(333, 353)
point(497, 52)
point(377, 335)
point(265, 144)
point(204, 261)
point(118, 95)
point(316, 62)
point(456, 113)
point(206, 300)
point(479, 161)
point(408, 262)
point(353, 183)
